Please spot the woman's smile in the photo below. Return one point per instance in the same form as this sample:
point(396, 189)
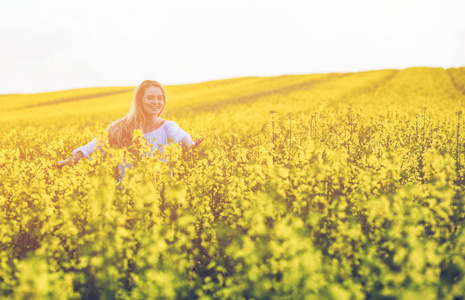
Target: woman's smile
point(153, 100)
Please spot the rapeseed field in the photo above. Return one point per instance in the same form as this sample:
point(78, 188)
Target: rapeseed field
point(321, 186)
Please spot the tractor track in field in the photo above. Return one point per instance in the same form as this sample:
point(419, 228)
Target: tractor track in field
point(253, 97)
point(73, 99)
point(454, 82)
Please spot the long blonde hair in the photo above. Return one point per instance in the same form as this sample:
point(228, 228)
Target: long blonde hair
point(120, 131)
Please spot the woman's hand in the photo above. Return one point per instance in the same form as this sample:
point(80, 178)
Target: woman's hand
point(193, 146)
point(61, 163)
point(197, 143)
point(70, 160)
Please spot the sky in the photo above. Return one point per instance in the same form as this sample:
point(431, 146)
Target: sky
point(57, 45)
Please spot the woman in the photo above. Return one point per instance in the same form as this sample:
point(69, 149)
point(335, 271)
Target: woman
point(147, 106)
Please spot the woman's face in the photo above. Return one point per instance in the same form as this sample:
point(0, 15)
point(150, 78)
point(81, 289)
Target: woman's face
point(152, 101)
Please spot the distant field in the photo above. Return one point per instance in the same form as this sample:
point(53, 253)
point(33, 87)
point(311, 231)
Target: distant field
point(320, 186)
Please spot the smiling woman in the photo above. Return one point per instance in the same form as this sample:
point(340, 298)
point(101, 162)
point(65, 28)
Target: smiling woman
point(153, 101)
point(147, 106)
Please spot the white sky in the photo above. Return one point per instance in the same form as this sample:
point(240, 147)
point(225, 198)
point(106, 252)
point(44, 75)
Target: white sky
point(54, 45)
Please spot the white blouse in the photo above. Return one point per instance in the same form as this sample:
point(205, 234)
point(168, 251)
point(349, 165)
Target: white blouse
point(168, 131)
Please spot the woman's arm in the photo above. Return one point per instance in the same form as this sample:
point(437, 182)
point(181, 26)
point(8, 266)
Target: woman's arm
point(187, 141)
point(78, 153)
point(180, 136)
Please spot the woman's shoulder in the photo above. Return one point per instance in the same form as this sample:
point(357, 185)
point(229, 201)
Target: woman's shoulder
point(171, 127)
point(170, 123)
